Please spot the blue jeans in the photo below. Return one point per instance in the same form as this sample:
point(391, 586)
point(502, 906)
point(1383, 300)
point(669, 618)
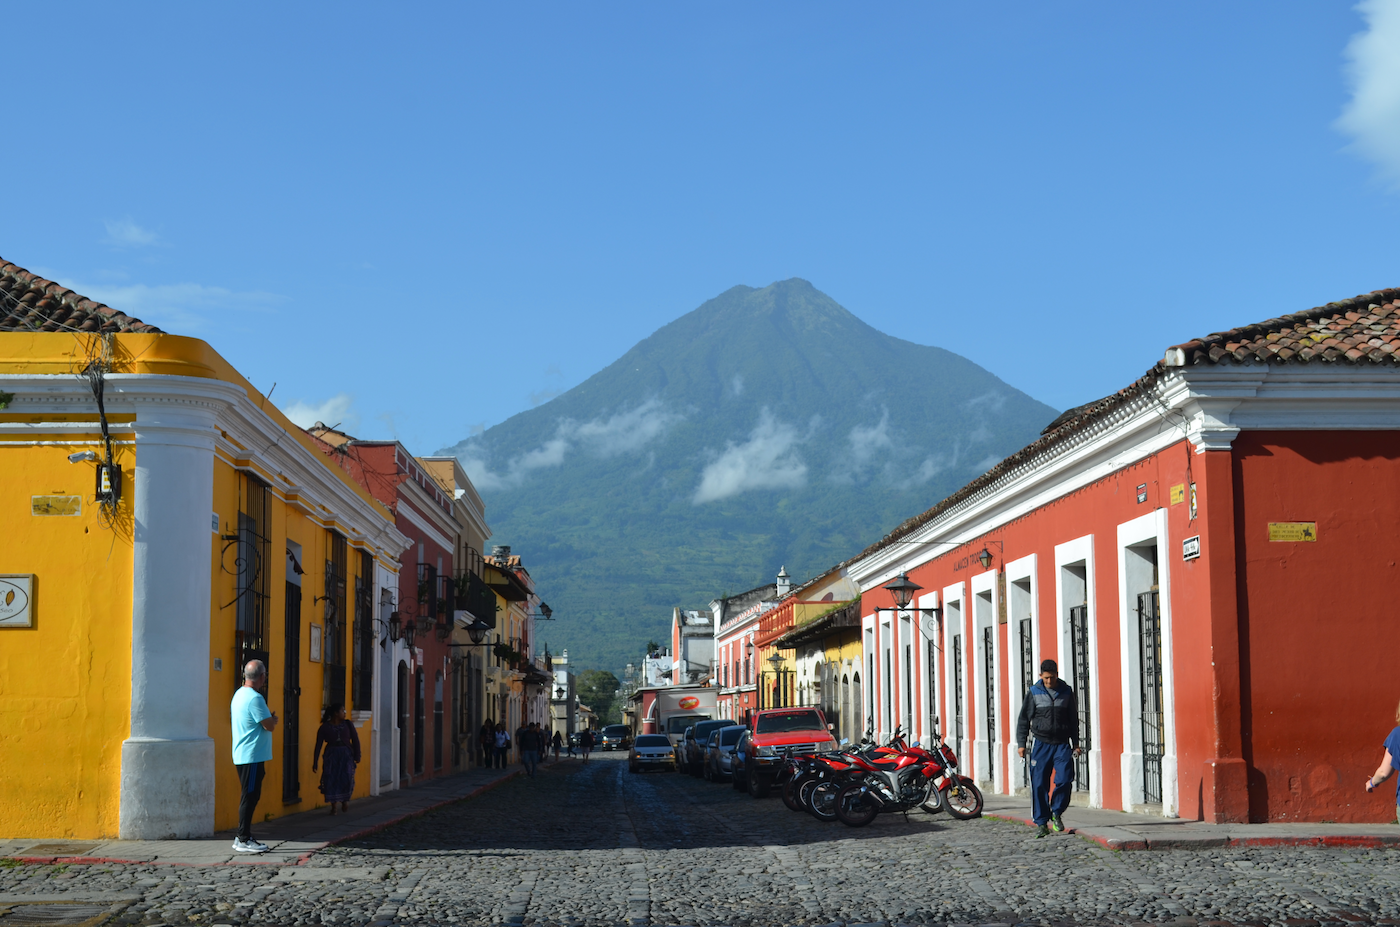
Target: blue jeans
point(1045, 759)
point(529, 758)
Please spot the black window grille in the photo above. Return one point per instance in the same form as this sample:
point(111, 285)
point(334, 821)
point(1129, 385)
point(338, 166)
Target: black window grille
point(250, 568)
point(291, 697)
point(1079, 672)
point(363, 674)
point(957, 690)
point(932, 689)
point(1027, 680)
point(427, 592)
point(989, 683)
point(419, 707)
point(333, 638)
point(437, 721)
point(1153, 720)
point(908, 688)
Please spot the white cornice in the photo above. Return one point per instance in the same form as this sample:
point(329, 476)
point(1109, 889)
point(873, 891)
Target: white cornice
point(1207, 405)
point(411, 515)
point(221, 414)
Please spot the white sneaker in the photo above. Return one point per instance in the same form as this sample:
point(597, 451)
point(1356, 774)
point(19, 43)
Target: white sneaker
point(241, 846)
point(258, 847)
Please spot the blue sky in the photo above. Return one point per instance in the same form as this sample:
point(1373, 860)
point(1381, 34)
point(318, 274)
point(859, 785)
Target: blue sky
point(422, 219)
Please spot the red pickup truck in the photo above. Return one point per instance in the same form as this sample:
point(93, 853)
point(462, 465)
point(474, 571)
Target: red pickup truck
point(772, 733)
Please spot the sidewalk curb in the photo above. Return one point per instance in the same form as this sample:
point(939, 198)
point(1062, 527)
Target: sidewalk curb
point(1131, 841)
point(253, 861)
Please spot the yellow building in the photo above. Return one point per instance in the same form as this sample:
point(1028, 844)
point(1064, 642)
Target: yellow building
point(162, 522)
point(824, 651)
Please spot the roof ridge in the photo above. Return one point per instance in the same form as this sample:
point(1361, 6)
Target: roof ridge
point(29, 302)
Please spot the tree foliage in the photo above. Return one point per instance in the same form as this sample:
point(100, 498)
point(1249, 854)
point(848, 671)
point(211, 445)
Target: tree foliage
point(598, 690)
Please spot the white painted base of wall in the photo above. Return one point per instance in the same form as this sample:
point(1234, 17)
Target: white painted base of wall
point(167, 789)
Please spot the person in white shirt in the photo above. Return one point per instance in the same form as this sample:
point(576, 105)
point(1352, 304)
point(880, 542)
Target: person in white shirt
point(253, 724)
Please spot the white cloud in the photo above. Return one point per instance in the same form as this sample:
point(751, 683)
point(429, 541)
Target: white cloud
point(868, 440)
point(737, 384)
point(767, 460)
point(178, 308)
point(125, 233)
point(337, 411)
point(624, 432)
point(1372, 117)
point(621, 433)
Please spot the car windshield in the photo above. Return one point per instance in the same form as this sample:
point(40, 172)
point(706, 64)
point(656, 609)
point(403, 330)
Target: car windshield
point(678, 725)
point(730, 736)
point(651, 740)
point(790, 721)
point(615, 730)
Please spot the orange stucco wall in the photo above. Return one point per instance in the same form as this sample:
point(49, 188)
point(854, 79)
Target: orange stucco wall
point(1318, 620)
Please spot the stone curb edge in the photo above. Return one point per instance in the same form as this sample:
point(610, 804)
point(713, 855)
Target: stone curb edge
point(1351, 841)
point(301, 860)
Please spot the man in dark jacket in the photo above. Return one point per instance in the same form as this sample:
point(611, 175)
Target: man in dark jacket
point(1051, 713)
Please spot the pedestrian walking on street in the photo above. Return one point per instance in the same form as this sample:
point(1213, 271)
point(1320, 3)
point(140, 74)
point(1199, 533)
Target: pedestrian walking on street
point(557, 743)
point(502, 747)
point(1389, 764)
point(342, 754)
point(586, 743)
point(1051, 713)
point(543, 740)
point(486, 742)
point(252, 725)
point(527, 740)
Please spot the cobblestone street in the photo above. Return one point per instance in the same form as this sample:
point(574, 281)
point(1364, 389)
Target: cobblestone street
point(594, 845)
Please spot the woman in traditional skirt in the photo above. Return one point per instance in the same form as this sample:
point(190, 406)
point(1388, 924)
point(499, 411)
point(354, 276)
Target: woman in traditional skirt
point(342, 753)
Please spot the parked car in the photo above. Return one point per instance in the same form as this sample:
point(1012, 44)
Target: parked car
point(719, 753)
point(651, 751)
point(615, 737)
point(774, 732)
point(696, 741)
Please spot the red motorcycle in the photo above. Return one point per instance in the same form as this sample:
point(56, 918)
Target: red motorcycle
point(911, 778)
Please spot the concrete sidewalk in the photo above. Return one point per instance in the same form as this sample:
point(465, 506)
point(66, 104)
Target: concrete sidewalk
point(291, 839)
point(1119, 830)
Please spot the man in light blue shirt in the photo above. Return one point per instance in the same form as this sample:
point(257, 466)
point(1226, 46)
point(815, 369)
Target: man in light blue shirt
point(252, 746)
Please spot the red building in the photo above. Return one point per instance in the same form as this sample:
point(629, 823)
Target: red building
point(413, 723)
point(1210, 556)
point(736, 655)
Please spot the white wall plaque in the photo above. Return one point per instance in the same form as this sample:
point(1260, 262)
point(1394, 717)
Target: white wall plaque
point(16, 600)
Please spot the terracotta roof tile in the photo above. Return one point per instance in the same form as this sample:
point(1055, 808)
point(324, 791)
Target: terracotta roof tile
point(29, 303)
point(1340, 332)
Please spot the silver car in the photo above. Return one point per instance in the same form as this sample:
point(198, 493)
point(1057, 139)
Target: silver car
point(719, 753)
point(651, 751)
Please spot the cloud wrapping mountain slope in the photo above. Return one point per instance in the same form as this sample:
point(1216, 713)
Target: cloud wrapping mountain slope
point(767, 427)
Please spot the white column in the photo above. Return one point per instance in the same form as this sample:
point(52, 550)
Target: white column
point(167, 772)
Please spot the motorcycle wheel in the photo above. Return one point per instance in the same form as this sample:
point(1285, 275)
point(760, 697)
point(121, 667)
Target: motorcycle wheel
point(933, 803)
point(804, 792)
point(854, 807)
point(822, 803)
point(791, 790)
point(963, 799)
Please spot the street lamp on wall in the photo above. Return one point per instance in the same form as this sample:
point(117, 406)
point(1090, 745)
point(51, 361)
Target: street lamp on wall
point(902, 590)
point(984, 557)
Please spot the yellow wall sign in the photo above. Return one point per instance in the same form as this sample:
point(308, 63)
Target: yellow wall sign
point(1293, 531)
point(1178, 493)
point(56, 505)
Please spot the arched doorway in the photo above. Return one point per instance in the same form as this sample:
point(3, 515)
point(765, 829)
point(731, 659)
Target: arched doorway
point(857, 722)
point(845, 707)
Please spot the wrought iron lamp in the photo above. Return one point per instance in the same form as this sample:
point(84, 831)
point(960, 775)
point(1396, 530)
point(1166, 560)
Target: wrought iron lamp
point(984, 557)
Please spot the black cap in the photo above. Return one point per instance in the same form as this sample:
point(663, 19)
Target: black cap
point(1048, 666)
